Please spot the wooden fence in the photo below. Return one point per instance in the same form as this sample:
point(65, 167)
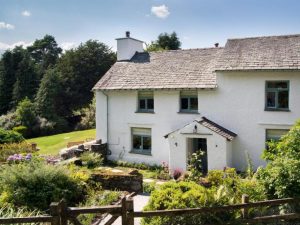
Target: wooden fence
point(60, 214)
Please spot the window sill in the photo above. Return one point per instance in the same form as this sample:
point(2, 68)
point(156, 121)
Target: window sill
point(188, 112)
point(151, 112)
point(140, 153)
point(277, 110)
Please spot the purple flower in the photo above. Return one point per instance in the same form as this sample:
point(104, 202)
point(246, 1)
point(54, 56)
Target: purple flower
point(28, 157)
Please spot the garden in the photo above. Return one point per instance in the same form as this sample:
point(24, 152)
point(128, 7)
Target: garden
point(29, 182)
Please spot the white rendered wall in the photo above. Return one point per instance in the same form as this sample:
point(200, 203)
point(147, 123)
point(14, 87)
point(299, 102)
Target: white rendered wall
point(126, 48)
point(217, 152)
point(101, 116)
point(237, 104)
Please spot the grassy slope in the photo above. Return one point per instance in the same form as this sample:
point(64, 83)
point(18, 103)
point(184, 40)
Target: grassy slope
point(52, 144)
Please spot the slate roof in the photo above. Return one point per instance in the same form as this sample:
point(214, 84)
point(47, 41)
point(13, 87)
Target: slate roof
point(229, 135)
point(180, 69)
point(261, 53)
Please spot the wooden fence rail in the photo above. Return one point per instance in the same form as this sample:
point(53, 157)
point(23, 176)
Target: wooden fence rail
point(60, 214)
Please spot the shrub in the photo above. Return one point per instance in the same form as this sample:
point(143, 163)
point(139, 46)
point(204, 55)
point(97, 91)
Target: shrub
point(181, 195)
point(15, 148)
point(21, 130)
point(35, 185)
point(177, 173)
point(9, 121)
point(91, 160)
point(25, 113)
point(9, 136)
point(88, 117)
point(7, 211)
point(148, 187)
point(195, 166)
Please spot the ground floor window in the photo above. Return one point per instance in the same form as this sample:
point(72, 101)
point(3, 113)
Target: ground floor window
point(141, 140)
point(275, 134)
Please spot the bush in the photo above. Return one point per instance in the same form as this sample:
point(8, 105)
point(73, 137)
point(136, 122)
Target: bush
point(7, 211)
point(21, 130)
point(9, 121)
point(9, 136)
point(195, 166)
point(35, 185)
point(88, 120)
point(25, 113)
point(91, 160)
point(181, 195)
point(15, 148)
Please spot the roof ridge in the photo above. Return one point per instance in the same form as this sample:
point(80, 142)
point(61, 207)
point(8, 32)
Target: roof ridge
point(260, 37)
point(187, 49)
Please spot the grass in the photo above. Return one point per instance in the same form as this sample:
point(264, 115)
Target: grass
point(51, 145)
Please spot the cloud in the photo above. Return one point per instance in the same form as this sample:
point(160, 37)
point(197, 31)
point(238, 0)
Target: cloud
point(5, 46)
point(7, 26)
point(161, 11)
point(26, 13)
point(67, 45)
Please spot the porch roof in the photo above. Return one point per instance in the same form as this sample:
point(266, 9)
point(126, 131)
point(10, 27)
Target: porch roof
point(229, 135)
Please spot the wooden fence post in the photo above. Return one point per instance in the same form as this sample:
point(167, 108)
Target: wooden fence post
point(130, 209)
point(55, 213)
point(124, 211)
point(245, 199)
point(63, 215)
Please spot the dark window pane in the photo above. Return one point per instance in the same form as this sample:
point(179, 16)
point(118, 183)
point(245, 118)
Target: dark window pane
point(283, 99)
point(150, 103)
point(136, 142)
point(271, 99)
point(184, 103)
point(147, 143)
point(194, 103)
point(281, 85)
point(271, 84)
point(142, 104)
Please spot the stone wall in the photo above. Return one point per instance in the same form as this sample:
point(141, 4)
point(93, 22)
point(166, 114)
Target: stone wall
point(131, 182)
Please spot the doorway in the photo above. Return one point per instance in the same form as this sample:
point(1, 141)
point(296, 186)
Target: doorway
point(201, 144)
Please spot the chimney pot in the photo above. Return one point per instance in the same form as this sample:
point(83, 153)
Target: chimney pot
point(216, 45)
point(127, 34)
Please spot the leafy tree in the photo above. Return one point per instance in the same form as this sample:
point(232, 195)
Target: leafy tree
point(48, 98)
point(165, 41)
point(9, 65)
point(25, 113)
point(45, 51)
point(281, 175)
point(26, 80)
point(80, 69)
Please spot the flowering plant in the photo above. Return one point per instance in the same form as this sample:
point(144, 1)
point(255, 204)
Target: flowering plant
point(16, 158)
point(177, 173)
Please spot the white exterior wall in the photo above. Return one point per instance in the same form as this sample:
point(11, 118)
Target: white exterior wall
point(217, 149)
point(237, 104)
point(127, 48)
point(101, 116)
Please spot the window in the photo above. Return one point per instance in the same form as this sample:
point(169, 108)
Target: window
point(277, 95)
point(141, 140)
point(275, 134)
point(188, 101)
point(145, 101)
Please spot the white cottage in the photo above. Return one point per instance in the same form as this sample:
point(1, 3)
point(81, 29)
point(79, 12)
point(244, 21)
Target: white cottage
point(163, 106)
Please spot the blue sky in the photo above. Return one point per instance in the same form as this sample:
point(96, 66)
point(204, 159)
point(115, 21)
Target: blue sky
point(199, 23)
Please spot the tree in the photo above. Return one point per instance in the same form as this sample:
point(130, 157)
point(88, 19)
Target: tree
point(165, 41)
point(80, 69)
point(45, 51)
point(48, 98)
point(9, 64)
point(26, 80)
point(25, 113)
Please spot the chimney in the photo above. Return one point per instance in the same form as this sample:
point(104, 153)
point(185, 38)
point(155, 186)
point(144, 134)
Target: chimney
point(216, 45)
point(127, 47)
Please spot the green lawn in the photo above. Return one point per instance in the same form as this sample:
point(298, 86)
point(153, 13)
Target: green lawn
point(52, 144)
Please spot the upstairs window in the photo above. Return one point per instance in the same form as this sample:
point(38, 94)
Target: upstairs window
point(189, 101)
point(277, 95)
point(145, 101)
point(141, 140)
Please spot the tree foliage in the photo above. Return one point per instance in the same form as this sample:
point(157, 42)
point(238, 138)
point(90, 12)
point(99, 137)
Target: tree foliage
point(80, 69)
point(165, 41)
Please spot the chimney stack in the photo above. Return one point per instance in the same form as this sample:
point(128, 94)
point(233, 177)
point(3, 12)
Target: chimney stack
point(127, 47)
point(216, 45)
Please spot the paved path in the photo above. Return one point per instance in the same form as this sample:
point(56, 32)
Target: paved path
point(140, 201)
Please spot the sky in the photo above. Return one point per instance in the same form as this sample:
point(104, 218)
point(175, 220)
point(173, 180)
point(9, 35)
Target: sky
point(198, 23)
